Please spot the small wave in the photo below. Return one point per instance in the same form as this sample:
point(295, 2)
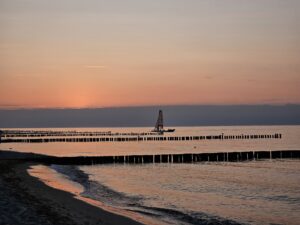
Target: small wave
point(100, 192)
point(188, 217)
point(96, 190)
point(73, 173)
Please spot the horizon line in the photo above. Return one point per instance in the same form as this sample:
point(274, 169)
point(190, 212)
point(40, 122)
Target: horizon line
point(144, 106)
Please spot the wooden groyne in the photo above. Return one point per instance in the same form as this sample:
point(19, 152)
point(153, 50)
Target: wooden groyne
point(141, 138)
point(33, 133)
point(171, 158)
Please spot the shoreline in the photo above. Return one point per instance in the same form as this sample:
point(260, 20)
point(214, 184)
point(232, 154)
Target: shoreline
point(60, 181)
point(25, 199)
point(27, 196)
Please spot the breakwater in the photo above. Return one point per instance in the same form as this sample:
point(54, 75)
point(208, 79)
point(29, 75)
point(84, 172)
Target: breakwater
point(45, 133)
point(141, 138)
point(167, 158)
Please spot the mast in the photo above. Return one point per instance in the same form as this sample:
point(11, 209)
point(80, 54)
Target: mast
point(160, 122)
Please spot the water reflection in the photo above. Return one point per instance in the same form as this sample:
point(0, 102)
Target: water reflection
point(257, 192)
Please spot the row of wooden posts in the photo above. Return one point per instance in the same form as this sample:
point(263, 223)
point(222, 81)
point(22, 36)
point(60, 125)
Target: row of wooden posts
point(171, 158)
point(143, 138)
point(9, 134)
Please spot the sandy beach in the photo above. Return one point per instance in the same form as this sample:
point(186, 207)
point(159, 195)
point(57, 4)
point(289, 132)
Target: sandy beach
point(26, 200)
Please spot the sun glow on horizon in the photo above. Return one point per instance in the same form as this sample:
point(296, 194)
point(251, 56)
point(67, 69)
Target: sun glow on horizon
point(135, 53)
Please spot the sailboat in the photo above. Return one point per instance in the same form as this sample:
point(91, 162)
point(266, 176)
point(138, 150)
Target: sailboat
point(159, 126)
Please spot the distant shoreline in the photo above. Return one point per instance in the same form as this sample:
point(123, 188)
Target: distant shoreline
point(174, 116)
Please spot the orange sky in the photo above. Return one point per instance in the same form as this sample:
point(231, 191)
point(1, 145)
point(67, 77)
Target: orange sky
point(123, 53)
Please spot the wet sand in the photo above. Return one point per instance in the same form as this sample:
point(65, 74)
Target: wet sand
point(27, 200)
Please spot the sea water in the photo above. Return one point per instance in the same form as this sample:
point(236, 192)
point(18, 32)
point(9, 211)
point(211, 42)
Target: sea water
point(251, 192)
point(290, 141)
point(254, 192)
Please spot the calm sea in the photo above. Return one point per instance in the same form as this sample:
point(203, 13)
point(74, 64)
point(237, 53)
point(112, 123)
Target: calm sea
point(254, 192)
point(290, 141)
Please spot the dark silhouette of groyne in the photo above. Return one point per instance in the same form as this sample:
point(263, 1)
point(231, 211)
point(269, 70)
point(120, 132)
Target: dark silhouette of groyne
point(137, 137)
point(157, 158)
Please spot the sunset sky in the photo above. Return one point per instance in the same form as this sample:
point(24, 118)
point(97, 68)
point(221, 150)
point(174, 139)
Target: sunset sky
point(96, 53)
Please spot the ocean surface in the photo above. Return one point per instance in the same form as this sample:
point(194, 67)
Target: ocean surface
point(290, 141)
point(250, 192)
point(257, 192)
